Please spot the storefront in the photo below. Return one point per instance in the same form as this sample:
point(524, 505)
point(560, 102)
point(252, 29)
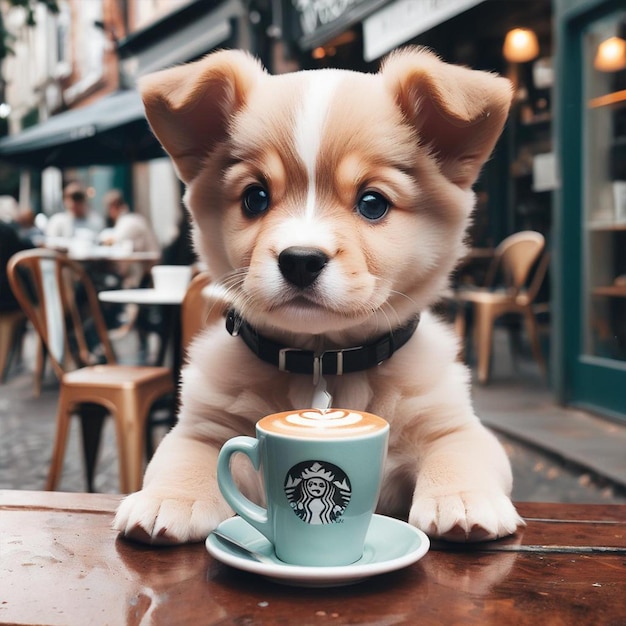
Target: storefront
point(515, 189)
point(108, 143)
point(590, 216)
point(186, 35)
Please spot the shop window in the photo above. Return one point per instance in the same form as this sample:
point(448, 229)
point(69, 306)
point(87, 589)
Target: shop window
point(604, 200)
point(60, 53)
point(89, 47)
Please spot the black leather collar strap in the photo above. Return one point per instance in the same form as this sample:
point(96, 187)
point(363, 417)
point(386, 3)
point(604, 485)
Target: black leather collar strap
point(332, 362)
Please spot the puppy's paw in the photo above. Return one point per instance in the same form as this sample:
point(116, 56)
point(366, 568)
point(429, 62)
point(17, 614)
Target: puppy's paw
point(465, 516)
point(150, 518)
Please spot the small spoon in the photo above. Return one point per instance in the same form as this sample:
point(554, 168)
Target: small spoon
point(240, 547)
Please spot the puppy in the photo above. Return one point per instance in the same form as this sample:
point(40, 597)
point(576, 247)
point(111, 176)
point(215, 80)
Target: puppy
point(333, 206)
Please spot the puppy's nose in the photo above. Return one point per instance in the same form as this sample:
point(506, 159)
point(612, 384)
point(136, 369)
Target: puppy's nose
point(301, 266)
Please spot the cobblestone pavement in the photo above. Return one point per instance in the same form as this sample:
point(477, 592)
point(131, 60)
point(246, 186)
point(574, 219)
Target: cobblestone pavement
point(27, 429)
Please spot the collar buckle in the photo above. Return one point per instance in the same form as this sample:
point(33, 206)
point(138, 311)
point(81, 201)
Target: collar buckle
point(282, 358)
point(330, 362)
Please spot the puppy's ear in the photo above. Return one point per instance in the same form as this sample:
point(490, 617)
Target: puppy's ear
point(189, 107)
point(459, 113)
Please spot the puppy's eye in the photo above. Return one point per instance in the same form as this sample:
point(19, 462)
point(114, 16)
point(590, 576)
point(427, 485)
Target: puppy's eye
point(255, 200)
point(372, 205)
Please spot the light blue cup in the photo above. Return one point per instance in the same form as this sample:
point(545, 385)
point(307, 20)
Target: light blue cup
point(322, 472)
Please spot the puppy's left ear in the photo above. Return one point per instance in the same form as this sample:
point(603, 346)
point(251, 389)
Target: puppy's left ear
point(189, 107)
point(457, 112)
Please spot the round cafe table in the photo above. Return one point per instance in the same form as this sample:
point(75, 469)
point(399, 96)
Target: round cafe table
point(171, 300)
point(109, 253)
point(142, 296)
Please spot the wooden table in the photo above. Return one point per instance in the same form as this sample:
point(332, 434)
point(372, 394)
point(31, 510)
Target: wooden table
point(60, 563)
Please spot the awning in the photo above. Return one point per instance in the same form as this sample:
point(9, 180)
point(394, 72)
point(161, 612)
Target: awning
point(112, 130)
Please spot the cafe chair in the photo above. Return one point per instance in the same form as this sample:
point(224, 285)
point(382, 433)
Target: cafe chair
point(12, 336)
point(64, 309)
point(40, 367)
point(516, 292)
point(199, 309)
point(11, 331)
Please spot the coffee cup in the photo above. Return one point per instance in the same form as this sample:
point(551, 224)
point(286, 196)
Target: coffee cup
point(322, 471)
point(171, 278)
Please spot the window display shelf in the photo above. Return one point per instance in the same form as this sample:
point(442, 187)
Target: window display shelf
point(616, 97)
point(606, 226)
point(611, 291)
point(538, 118)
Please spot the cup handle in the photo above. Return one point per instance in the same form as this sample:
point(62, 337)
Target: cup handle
point(254, 514)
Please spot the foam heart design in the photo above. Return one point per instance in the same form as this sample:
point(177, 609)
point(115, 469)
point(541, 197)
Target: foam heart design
point(328, 414)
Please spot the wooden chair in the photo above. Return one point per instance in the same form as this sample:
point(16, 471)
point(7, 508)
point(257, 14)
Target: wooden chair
point(513, 260)
point(12, 333)
point(64, 309)
point(197, 309)
point(200, 308)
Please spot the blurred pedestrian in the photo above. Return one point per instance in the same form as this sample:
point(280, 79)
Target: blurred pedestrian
point(76, 220)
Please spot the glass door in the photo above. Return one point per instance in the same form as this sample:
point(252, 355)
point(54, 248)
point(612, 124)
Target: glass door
point(604, 202)
point(591, 218)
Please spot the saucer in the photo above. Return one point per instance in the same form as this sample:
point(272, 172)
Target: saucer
point(390, 545)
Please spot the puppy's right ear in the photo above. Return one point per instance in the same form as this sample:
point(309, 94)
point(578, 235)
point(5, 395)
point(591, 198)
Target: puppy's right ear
point(189, 107)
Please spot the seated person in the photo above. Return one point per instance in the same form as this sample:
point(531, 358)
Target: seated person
point(134, 230)
point(76, 219)
point(10, 243)
point(128, 226)
point(27, 229)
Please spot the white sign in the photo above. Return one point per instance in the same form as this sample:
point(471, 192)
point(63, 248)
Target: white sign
point(404, 19)
point(545, 176)
point(317, 13)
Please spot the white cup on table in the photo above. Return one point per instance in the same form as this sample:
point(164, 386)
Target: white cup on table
point(171, 278)
point(80, 247)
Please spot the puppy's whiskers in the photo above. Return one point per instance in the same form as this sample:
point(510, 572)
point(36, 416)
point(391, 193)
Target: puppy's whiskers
point(404, 295)
point(231, 286)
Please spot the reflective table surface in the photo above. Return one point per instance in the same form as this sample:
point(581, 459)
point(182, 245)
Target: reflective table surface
point(61, 563)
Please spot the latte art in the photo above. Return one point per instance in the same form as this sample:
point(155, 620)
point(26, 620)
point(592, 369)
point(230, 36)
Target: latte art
point(324, 414)
point(332, 418)
point(322, 424)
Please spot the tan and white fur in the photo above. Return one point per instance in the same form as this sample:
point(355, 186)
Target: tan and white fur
point(417, 134)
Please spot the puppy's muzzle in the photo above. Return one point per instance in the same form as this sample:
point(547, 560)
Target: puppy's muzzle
point(301, 266)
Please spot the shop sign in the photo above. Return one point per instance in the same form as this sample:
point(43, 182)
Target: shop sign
point(315, 14)
point(402, 20)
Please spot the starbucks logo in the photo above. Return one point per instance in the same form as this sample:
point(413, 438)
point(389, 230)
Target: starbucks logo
point(318, 492)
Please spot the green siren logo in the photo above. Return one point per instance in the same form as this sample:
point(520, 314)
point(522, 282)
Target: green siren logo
point(318, 492)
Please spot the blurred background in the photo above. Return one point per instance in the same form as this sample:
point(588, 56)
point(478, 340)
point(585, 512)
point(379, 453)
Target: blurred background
point(70, 111)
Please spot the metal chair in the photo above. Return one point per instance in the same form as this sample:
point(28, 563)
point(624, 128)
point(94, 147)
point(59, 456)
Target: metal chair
point(64, 310)
point(11, 331)
point(513, 260)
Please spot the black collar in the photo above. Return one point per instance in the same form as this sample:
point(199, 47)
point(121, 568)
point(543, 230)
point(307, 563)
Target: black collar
point(331, 362)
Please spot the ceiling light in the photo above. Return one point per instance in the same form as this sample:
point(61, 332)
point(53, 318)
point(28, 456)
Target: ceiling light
point(611, 55)
point(520, 45)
